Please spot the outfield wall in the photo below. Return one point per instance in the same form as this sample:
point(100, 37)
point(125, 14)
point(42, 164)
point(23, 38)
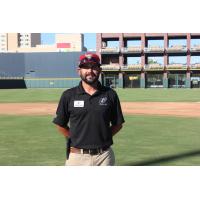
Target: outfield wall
point(39, 70)
point(52, 82)
point(12, 65)
point(51, 65)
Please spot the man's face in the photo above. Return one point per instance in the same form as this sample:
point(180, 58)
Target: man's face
point(89, 74)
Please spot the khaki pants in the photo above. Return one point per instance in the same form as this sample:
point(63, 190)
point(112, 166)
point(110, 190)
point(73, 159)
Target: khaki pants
point(107, 158)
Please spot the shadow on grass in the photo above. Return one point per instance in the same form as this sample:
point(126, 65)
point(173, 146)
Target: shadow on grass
point(164, 159)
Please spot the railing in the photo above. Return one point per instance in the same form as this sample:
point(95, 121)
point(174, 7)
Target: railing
point(131, 49)
point(176, 66)
point(195, 48)
point(110, 67)
point(154, 66)
point(154, 49)
point(132, 66)
point(110, 50)
point(195, 66)
point(177, 48)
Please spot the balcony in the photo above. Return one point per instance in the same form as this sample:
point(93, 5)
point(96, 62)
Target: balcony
point(177, 66)
point(195, 66)
point(154, 66)
point(154, 49)
point(132, 67)
point(195, 48)
point(109, 50)
point(176, 49)
point(131, 49)
point(110, 67)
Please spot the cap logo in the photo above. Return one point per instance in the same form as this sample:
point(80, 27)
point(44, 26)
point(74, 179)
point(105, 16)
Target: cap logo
point(88, 56)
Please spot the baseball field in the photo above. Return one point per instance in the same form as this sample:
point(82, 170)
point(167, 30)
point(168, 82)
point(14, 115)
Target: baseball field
point(161, 128)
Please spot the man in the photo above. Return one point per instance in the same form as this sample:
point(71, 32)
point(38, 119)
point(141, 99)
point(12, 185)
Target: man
point(94, 114)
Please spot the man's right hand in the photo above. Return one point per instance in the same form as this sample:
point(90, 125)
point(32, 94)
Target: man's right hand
point(63, 131)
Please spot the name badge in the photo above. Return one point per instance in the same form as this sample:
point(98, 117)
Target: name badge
point(78, 103)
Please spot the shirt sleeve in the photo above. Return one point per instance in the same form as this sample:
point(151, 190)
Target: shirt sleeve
point(62, 113)
point(117, 116)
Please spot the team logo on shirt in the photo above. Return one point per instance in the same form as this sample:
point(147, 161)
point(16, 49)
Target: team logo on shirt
point(103, 101)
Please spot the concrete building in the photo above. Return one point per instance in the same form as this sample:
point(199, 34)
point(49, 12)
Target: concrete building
point(14, 42)
point(150, 60)
point(3, 42)
point(38, 48)
point(69, 42)
point(31, 42)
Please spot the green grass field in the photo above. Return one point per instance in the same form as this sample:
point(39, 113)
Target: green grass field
point(135, 95)
point(144, 140)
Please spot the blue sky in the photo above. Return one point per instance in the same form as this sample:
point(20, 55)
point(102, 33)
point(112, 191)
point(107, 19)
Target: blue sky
point(89, 39)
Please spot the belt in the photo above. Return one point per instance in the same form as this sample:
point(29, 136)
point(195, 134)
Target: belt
point(88, 151)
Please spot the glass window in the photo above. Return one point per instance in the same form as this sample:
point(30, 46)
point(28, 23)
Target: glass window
point(177, 80)
point(154, 80)
point(132, 80)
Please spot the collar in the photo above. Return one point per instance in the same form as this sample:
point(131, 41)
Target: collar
point(80, 89)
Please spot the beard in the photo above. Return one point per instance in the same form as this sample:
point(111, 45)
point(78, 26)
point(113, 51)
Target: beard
point(90, 78)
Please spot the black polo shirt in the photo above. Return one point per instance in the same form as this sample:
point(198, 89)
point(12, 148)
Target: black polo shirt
point(89, 116)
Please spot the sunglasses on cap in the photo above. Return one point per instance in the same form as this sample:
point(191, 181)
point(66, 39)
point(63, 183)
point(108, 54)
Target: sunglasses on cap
point(93, 66)
point(89, 59)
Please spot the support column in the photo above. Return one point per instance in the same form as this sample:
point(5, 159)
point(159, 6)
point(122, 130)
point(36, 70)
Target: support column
point(121, 45)
point(165, 79)
point(188, 80)
point(188, 49)
point(165, 47)
point(98, 44)
point(142, 80)
point(143, 46)
point(121, 80)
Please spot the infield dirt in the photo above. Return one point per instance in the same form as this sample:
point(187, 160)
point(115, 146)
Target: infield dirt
point(186, 109)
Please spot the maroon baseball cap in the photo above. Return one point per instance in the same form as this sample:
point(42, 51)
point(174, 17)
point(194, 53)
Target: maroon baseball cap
point(89, 58)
